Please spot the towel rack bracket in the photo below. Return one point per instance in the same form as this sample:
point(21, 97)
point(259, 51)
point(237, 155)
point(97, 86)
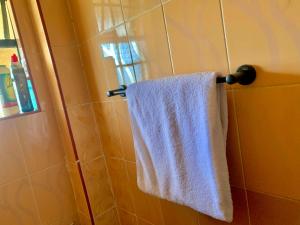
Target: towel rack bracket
point(245, 74)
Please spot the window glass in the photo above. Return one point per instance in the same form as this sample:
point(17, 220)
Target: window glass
point(17, 95)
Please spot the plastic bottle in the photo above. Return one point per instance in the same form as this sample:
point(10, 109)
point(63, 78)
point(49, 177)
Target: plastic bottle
point(9, 105)
point(19, 76)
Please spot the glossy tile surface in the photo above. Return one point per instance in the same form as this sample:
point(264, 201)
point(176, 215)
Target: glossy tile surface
point(109, 130)
point(98, 186)
point(265, 34)
point(108, 218)
point(85, 131)
point(58, 22)
point(71, 75)
point(196, 36)
point(40, 140)
point(11, 156)
point(17, 204)
point(145, 34)
point(271, 210)
point(121, 186)
point(268, 121)
point(54, 196)
point(134, 8)
point(125, 130)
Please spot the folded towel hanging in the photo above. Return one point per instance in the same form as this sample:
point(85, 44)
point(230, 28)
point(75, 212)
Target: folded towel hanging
point(179, 127)
point(244, 75)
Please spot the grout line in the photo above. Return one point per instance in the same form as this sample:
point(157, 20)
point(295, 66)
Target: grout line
point(28, 174)
point(225, 36)
point(168, 38)
point(240, 153)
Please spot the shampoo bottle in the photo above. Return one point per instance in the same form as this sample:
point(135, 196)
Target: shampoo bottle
point(21, 85)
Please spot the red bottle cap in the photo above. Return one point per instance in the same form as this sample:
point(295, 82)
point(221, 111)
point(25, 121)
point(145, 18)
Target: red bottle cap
point(14, 58)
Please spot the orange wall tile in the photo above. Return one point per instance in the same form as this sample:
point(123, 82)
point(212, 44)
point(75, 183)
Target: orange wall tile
point(182, 36)
point(34, 184)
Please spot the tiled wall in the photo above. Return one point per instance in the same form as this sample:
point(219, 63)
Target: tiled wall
point(181, 36)
point(85, 158)
point(34, 183)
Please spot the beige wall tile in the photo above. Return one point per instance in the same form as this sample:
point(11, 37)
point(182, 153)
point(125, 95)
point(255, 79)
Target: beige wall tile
point(196, 36)
point(147, 206)
point(109, 129)
point(85, 131)
point(268, 121)
point(40, 140)
point(11, 156)
point(266, 34)
point(71, 75)
point(17, 204)
point(149, 46)
point(98, 186)
point(265, 209)
point(121, 185)
point(58, 22)
point(54, 196)
point(134, 8)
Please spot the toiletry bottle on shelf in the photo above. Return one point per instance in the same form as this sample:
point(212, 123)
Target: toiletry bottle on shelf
point(21, 85)
point(8, 99)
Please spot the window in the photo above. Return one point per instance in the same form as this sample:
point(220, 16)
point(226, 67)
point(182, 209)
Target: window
point(16, 91)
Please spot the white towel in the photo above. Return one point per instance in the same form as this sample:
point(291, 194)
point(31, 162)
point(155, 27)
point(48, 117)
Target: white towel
point(179, 127)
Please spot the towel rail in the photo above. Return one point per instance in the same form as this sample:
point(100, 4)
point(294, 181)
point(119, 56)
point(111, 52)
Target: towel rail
point(244, 75)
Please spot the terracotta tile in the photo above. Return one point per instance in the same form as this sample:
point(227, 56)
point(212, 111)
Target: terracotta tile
point(127, 219)
point(268, 121)
point(265, 210)
point(11, 156)
point(40, 140)
point(54, 196)
point(257, 35)
point(109, 129)
point(233, 151)
point(178, 214)
point(85, 132)
point(17, 204)
point(125, 130)
point(80, 199)
point(240, 211)
point(145, 34)
point(121, 185)
point(103, 15)
point(109, 218)
point(98, 186)
point(133, 8)
point(147, 207)
point(58, 22)
point(196, 44)
point(71, 75)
